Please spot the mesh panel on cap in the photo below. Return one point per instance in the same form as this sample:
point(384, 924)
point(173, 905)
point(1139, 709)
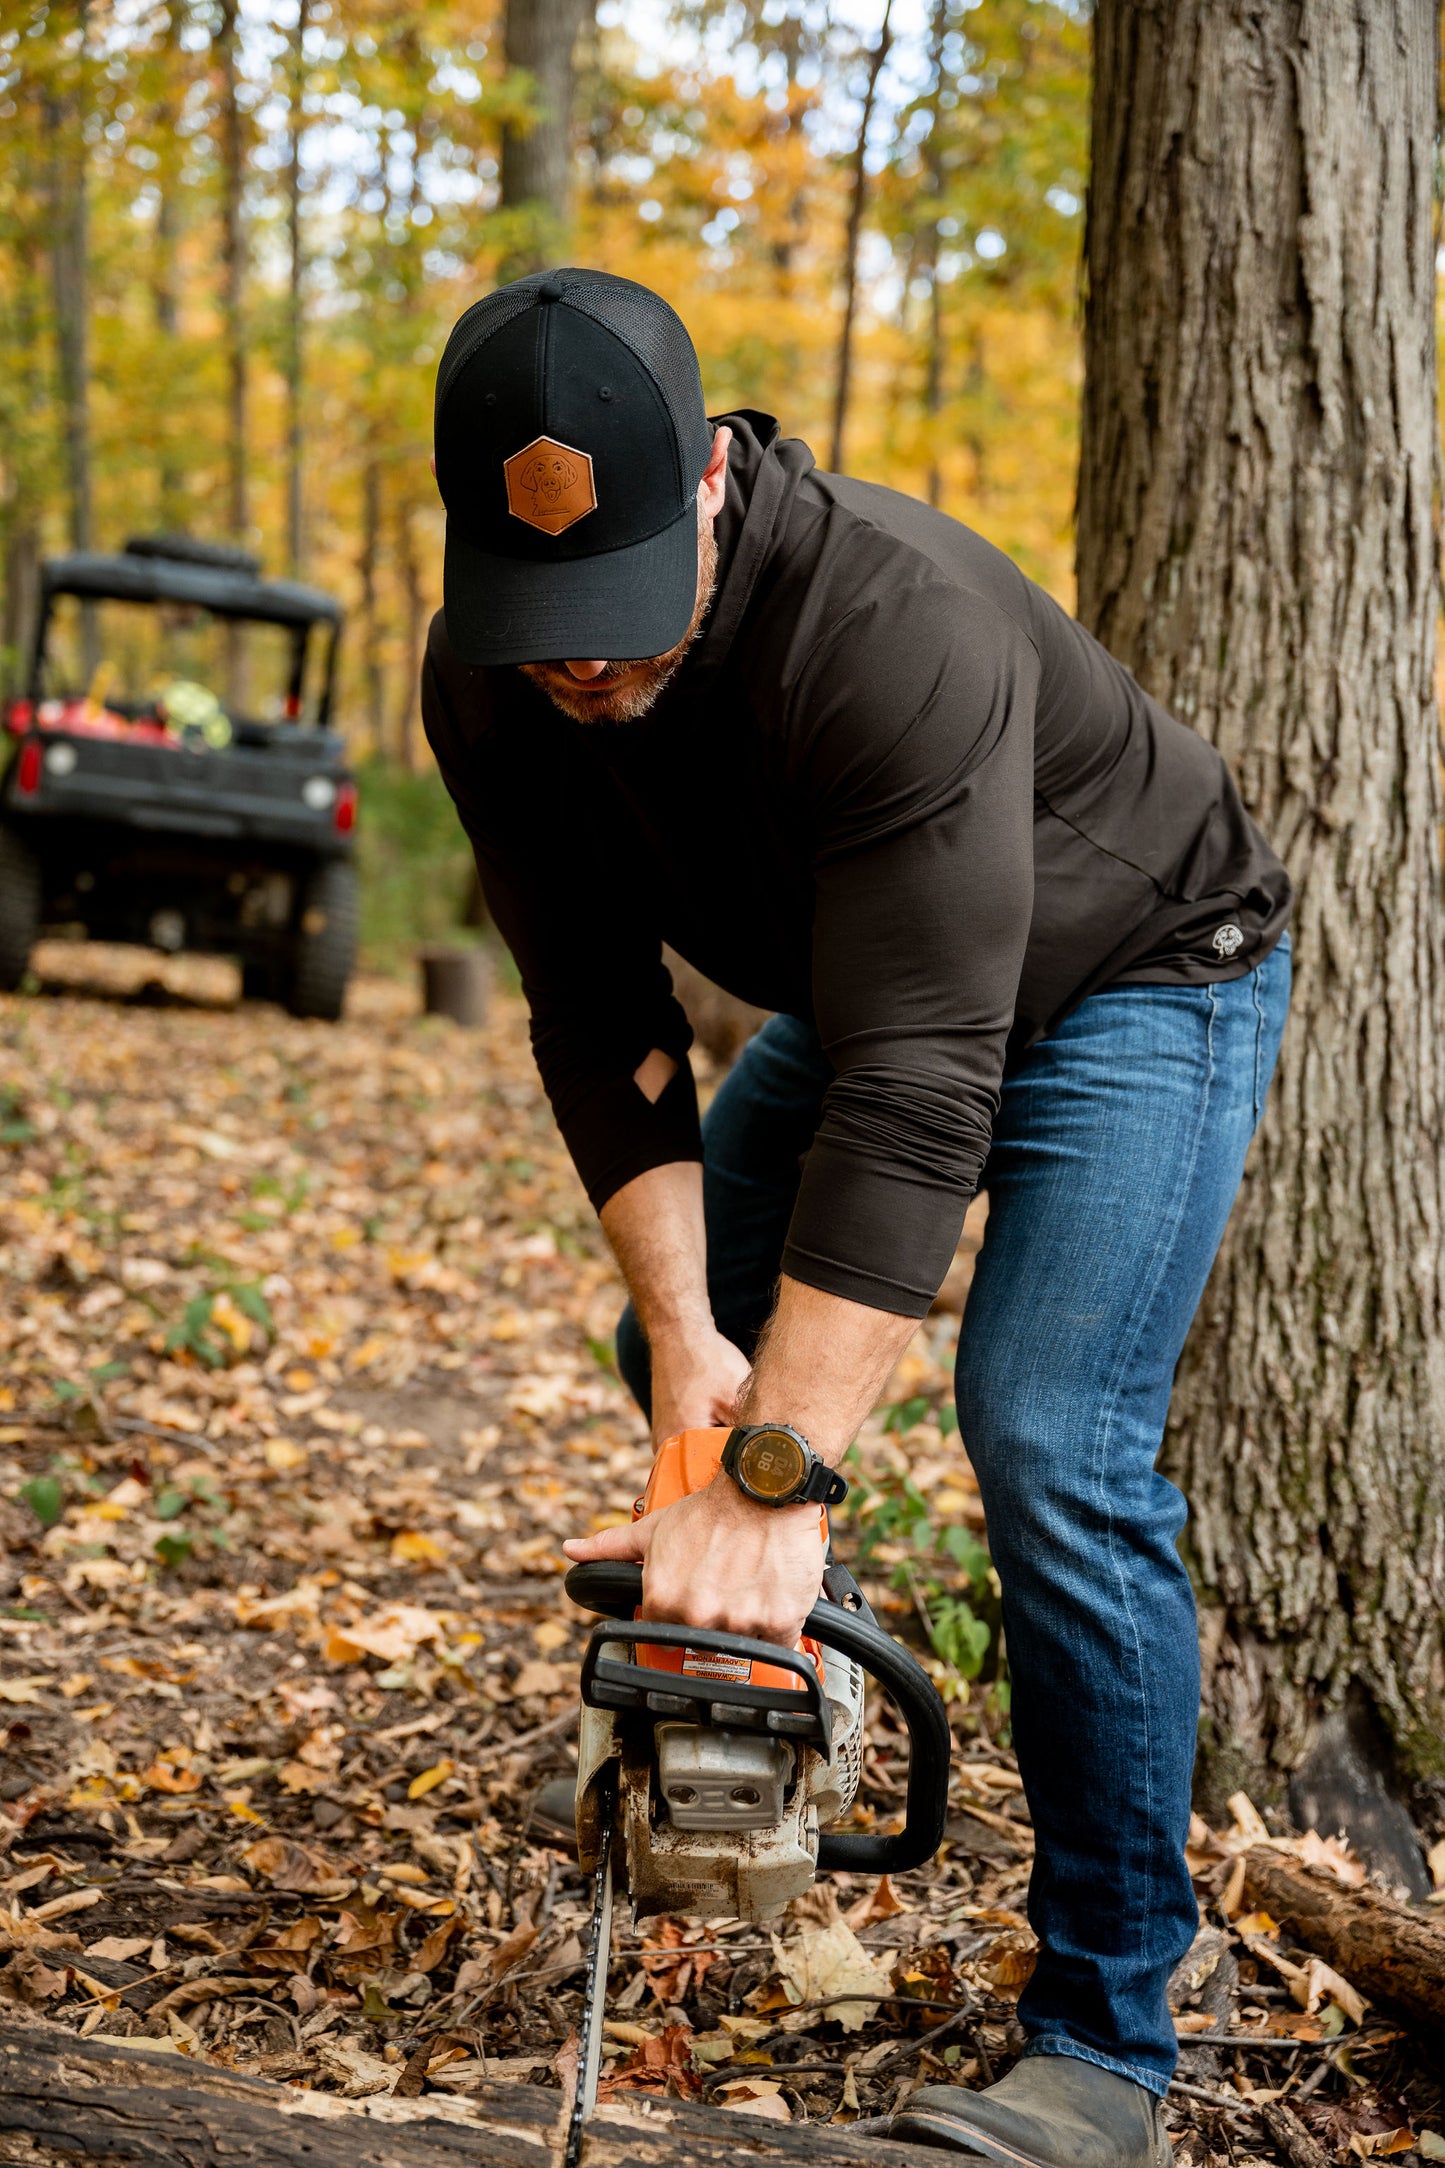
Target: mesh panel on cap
point(658, 338)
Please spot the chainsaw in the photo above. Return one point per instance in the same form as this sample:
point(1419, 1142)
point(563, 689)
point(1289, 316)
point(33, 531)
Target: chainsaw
point(710, 1765)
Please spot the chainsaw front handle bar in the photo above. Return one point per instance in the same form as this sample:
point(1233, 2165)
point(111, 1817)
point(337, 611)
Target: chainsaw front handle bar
point(614, 1587)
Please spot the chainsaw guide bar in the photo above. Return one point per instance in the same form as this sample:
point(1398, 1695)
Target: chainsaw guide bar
point(589, 2038)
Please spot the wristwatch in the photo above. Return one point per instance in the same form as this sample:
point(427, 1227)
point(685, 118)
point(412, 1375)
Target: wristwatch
point(774, 1465)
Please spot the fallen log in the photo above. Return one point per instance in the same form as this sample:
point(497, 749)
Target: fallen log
point(65, 2100)
point(1391, 1952)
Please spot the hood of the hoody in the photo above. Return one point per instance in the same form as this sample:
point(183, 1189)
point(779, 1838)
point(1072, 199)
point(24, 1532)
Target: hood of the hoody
point(764, 470)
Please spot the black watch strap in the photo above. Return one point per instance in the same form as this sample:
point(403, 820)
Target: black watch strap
point(824, 1487)
point(819, 1484)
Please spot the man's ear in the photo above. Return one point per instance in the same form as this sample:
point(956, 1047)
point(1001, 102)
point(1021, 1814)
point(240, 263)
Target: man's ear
point(712, 489)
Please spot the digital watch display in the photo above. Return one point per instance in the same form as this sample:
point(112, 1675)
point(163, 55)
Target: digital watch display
point(774, 1465)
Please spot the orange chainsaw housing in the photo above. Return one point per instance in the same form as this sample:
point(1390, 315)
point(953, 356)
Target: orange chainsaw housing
point(685, 1464)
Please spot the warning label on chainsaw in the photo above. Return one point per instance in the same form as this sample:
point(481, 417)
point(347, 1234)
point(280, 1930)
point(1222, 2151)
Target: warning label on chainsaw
point(714, 1664)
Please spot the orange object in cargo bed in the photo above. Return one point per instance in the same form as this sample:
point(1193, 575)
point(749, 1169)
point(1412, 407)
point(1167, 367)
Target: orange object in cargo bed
point(684, 1464)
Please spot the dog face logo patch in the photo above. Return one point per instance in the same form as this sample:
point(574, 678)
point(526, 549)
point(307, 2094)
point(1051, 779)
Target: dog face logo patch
point(549, 485)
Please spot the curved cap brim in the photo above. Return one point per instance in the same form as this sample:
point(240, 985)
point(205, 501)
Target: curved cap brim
point(622, 605)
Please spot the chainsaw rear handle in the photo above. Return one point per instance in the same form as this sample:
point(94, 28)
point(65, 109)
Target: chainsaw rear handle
point(614, 1587)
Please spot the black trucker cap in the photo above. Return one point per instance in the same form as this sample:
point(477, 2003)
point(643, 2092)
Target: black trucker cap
point(570, 440)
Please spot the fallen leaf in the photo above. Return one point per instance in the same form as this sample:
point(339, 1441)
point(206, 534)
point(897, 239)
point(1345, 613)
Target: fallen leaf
point(394, 1633)
point(411, 1548)
point(1256, 1923)
point(660, 2063)
point(283, 1455)
point(754, 2096)
point(1321, 1981)
point(515, 1947)
point(120, 1947)
point(434, 1948)
point(74, 1900)
point(537, 1676)
point(25, 1690)
point(287, 1865)
point(826, 1962)
point(171, 1772)
point(429, 1779)
point(882, 1902)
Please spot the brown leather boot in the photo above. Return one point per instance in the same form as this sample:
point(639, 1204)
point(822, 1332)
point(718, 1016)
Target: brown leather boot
point(1051, 2111)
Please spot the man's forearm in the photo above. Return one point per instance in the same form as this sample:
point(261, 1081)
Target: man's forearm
point(822, 1364)
point(655, 1226)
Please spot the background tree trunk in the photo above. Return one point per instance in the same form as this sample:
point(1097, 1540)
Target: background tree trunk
point(857, 203)
point(171, 502)
point(541, 37)
point(1256, 541)
point(295, 315)
point(233, 303)
point(70, 265)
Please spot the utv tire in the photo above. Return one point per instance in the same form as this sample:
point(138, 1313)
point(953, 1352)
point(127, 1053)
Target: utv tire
point(325, 945)
point(262, 982)
point(20, 895)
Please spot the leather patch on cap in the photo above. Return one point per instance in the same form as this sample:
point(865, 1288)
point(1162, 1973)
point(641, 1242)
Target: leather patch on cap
point(549, 485)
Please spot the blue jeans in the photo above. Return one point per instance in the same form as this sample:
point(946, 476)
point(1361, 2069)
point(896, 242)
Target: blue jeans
point(1116, 1155)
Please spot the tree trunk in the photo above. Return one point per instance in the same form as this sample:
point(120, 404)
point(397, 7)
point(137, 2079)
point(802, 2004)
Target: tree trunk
point(541, 37)
point(171, 479)
point(371, 669)
point(856, 205)
point(70, 264)
point(413, 612)
point(295, 510)
point(1256, 540)
point(64, 2100)
point(233, 261)
point(933, 168)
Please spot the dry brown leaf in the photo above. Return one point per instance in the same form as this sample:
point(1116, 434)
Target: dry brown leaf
point(513, 1948)
point(826, 1962)
point(287, 1865)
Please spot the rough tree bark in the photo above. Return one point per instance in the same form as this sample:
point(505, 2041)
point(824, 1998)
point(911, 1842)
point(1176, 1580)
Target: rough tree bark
point(1257, 542)
point(65, 2100)
point(541, 38)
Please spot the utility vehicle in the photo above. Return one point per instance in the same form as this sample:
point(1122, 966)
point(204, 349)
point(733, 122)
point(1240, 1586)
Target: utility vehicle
point(174, 779)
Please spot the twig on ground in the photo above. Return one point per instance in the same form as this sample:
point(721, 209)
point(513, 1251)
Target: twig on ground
point(1290, 2135)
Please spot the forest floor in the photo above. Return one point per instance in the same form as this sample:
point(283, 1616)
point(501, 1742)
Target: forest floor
point(304, 1375)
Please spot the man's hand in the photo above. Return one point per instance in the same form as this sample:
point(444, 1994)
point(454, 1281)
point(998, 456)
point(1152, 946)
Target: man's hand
point(716, 1559)
point(696, 1379)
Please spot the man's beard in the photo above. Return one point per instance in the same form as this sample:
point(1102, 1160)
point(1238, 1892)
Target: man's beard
point(637, 685)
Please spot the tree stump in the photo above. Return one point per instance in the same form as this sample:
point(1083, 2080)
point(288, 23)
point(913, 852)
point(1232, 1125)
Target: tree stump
point(455, 984)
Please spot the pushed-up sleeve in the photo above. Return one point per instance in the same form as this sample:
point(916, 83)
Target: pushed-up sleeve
point(586, 945)
point(916, 757)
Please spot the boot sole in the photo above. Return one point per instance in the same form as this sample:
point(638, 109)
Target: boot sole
point(924, 2128)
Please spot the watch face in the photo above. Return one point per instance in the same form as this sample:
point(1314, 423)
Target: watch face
point(772, 1464)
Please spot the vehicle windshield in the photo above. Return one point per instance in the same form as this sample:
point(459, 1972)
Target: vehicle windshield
point(175, 666)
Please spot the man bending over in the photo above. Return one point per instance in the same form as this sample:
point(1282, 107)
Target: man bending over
point(1018, 933)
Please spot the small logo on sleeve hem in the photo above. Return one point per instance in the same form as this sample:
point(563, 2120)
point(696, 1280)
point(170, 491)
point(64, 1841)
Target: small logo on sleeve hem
point(1227, 940)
